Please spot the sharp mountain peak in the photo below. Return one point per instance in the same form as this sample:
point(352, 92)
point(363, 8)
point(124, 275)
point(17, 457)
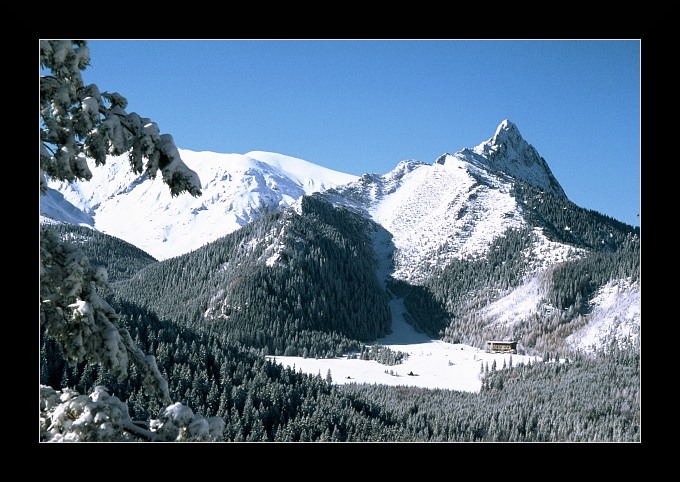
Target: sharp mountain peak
point(509, 153)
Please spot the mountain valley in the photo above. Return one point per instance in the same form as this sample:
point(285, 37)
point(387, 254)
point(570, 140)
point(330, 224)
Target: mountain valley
point(281, 259)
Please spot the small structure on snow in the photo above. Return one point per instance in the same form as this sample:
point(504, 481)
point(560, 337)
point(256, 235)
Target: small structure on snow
point(498, 346)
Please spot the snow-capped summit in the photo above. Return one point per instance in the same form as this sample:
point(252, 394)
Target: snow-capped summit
point(310, 177)
point(509, 153)
point(237, 188)
point(458, 207)
point(455, 207)
point(452, 208)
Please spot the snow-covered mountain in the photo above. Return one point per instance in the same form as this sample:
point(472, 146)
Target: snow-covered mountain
point(507, 152)
point(236, 189)
point(455, 207)
point(434, 214)
point(452, 208)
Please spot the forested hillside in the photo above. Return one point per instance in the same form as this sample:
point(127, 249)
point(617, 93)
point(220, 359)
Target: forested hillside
point(576, 400)
point(448, 305)
point(563, 221)
point(194, 314)
point(120, 258)
point(291, 283)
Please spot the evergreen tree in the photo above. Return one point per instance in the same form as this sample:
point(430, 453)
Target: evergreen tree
point(79, 124)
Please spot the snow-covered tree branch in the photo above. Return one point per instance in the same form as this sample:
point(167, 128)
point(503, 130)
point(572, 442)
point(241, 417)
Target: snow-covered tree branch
point(81, 321)
point(78, 124)
point(66, 416)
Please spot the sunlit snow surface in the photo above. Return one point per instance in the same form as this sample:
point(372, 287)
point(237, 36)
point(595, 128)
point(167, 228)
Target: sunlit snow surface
point(440, 213)
point(434, 364)
point(235, 189)
point(616, 315)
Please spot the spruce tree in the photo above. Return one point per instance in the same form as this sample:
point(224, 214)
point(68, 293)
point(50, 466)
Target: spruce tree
point(80, 125)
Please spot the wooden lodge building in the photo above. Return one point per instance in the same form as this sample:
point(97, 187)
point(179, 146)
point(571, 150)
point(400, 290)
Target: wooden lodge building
point(497, 346)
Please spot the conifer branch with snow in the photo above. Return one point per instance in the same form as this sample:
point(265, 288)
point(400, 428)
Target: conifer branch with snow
point(79, 124)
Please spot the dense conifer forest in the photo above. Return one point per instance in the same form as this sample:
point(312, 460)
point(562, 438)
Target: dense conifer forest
point(287, 284)
point(120, 258)
point(580, 399)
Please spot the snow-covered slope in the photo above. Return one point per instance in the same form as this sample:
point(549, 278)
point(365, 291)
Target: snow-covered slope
point(455, 207)
point(452, 208)
point(615, 316)
point(54, 206)
point(441, 211)
point(236, 189)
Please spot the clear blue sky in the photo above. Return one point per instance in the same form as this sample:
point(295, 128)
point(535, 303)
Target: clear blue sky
point(363, 106)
